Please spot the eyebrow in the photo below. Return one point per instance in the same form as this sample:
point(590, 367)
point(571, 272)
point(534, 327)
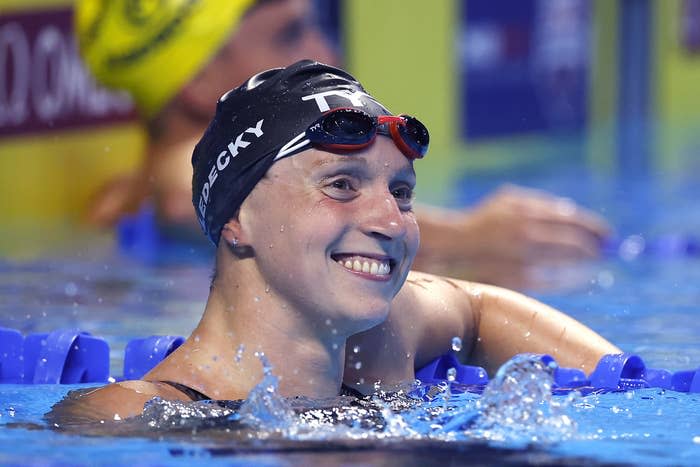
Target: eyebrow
point(339, 160)
point(406, 171)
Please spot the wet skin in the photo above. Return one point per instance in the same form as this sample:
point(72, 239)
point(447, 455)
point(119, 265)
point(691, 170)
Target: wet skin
point(298, 296)
point(323, 209)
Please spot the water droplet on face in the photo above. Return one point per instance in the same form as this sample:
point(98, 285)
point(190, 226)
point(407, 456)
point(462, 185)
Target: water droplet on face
point(356, 349)
point(451, 374)
point(196, 338)
point(267, 289)
point(456, 344)
point(256, 298)
point(282, 228)
point(239, 353)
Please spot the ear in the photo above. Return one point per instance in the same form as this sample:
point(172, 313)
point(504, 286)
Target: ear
point(232, 232)
point(234, 237)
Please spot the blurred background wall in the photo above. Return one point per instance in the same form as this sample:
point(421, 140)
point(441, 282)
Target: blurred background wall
point(602, 86)
point(61, 136)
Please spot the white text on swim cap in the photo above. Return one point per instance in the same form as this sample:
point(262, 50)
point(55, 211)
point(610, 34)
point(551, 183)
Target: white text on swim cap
point(355, 98)
point(222, 161)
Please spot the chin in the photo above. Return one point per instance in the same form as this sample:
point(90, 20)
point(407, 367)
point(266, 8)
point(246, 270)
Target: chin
point(370, 316)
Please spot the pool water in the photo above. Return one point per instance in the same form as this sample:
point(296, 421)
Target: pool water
point(645, 303)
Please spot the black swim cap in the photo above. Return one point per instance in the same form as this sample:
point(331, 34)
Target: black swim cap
point(252, 124)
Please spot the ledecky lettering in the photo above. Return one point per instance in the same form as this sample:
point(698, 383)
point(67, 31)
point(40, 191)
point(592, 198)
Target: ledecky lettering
point(222, 161)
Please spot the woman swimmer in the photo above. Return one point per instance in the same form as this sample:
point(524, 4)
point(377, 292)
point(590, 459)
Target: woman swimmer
point(312, 217)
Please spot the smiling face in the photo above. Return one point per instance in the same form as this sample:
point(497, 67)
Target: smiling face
point(334, 235)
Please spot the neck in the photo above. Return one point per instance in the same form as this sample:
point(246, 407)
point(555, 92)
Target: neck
point(307, 358)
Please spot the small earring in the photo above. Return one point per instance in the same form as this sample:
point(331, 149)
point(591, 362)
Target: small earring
point(234, 242)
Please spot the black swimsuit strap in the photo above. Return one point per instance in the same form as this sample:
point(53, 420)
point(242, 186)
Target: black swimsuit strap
point(193, 394)
point(346, 390)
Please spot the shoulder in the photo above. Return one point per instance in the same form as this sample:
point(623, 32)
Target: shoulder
point(426, 293)
point(116, 401)
point(440, 308)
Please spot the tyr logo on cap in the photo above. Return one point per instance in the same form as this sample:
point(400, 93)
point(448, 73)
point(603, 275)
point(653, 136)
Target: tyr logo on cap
point(355, 97)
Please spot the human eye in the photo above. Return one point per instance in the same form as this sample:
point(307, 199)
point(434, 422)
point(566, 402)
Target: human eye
point(404, 196)
point(291, 33)
point(343, 188)
point(341, 184)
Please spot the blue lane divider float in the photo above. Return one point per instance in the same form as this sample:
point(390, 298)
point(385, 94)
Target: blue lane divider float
point(664, 246)
point(63, 356)
point(68, 356)
point(141, 355)
point(140, 237)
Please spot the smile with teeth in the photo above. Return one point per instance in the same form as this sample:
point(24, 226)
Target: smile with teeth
point(366, 265)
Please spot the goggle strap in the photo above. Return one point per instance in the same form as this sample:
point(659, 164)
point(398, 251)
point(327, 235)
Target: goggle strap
point(292, 146)
point(400, 142)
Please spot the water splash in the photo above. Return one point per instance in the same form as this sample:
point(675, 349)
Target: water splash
point(518, 405)
point(163, 415)
point(264, 408)
point(516, 408)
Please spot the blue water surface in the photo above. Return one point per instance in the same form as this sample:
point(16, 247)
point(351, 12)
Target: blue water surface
point(645, 303)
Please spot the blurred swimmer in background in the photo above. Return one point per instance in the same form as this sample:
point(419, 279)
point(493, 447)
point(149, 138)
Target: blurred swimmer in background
point(304, 183)
point(176, 58)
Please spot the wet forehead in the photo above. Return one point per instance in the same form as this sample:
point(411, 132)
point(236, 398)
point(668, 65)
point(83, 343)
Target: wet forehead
point(382, 156)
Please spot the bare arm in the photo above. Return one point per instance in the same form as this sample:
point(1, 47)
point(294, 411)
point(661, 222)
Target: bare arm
point(509, 323)
point(501, 239)
point(494, 324)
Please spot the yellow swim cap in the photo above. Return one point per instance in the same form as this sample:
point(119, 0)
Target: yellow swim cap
point(152, 48)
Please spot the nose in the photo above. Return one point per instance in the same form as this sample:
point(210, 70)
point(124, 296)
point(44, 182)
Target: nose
point(382, 218)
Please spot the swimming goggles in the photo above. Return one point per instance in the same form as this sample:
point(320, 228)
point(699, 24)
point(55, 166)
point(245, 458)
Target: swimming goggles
point(353, 129)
